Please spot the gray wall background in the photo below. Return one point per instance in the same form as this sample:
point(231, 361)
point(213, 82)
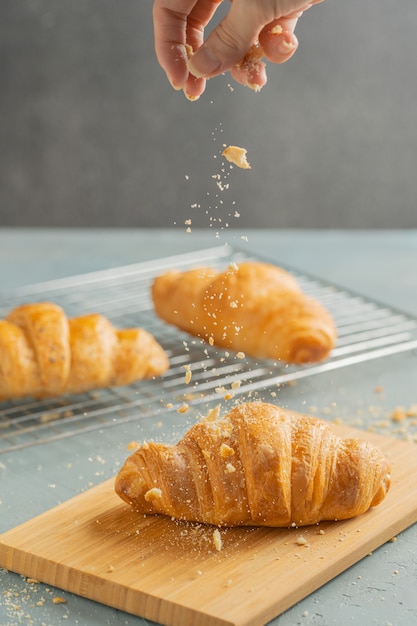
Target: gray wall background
point(91, 134)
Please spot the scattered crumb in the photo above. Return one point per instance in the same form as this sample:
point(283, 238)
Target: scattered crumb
point(399, 414)
point(302, 541)
point(226, 451)
point(240, 355)
point(217, 540)
point(220, 390)
point(230, 468)
point(183, 409)
point(133, 445)
point(188, 374)
point(237, 156)
point(153, 494)
point(236, 384)
point(59, 600)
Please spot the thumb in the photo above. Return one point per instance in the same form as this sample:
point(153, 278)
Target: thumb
point(228, 43)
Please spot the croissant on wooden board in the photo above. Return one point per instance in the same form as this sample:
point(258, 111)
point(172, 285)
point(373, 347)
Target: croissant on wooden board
point(260, 465)
point(255, 308)
point(43, 353)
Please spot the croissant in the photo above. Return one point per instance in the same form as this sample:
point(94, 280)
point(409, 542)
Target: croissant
point(255, 308)
point(43, 353)
point(260, 465)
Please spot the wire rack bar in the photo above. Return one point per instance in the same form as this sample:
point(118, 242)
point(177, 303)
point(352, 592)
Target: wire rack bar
point(367, 330)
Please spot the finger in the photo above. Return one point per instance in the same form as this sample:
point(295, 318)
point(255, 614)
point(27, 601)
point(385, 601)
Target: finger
point(278, 39)
point(251, 71)
point(199, 17)
point(177, 22)
point(228, 43)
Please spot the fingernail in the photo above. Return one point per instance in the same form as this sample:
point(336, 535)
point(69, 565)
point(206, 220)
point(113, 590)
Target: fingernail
point(286, 46)
point(176, 87)
point(189, 97)
point(203, 63)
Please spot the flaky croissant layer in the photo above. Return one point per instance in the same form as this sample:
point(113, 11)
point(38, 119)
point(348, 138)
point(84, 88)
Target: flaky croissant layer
point(260, 465)
point(43, 353)
point(253, 307)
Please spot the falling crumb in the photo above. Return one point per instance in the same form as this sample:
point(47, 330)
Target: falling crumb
point(212, 415)
point(59, 600)
point(153, 494)
point(188, 374)
point(183, 409)
point(237, 156)
point(236, 384)
point(217, 540)
point(378, 389)
point(169, 405)
point(240, 355)
point(211, 341)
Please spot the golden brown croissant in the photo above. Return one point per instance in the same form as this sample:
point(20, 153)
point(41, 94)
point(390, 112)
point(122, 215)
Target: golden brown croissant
point(260, 466)
point(43, 353)
point(255, 308)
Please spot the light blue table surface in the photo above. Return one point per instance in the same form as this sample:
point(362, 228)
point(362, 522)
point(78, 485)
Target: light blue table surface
point(382, 588)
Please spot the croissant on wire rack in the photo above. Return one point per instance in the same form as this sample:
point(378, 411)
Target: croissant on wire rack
point(255, 308)
point(260, 465)
point(43, 353)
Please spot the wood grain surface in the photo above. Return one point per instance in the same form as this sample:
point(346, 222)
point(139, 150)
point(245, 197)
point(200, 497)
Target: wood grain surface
point(172, 572)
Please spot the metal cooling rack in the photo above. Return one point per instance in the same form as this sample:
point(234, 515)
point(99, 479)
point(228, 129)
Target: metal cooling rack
point(367, 330)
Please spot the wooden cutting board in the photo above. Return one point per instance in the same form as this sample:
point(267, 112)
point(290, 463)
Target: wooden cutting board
point(171, 572)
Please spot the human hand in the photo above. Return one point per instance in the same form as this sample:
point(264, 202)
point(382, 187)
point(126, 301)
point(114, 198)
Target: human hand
point(250, 30)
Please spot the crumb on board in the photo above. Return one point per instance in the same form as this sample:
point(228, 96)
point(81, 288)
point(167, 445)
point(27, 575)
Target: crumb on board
point(183, 408)
point(58, 600)
point(237, 156)
point(302, 541)
point(217, 540)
